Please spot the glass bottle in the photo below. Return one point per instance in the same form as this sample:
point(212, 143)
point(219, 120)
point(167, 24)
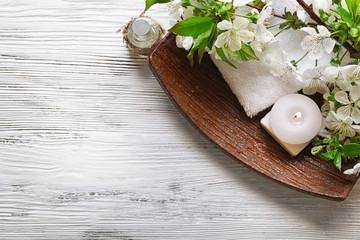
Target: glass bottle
point(144, 33)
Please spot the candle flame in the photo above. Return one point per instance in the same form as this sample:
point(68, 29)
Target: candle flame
point(297, 115)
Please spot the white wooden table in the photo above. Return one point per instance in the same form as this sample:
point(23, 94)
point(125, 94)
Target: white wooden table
point(92, 148)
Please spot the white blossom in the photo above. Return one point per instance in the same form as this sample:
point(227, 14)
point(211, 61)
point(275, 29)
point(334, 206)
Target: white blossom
point(184, 42)
point(271, 53)
point(176, 9)
point(350, 75)
point(316, 43)
point(353, 171)
point(235, 34)
point(341, 125)
point(286, 72)
point(274, 57)
point(316, 79)
point(262, 34)
point(350, 102)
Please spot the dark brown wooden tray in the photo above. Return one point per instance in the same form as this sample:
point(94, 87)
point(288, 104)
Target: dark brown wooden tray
point(205, 99)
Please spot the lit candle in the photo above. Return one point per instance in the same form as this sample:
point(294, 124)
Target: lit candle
point(295, 119)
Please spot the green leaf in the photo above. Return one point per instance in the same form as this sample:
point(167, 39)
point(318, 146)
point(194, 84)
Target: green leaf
point(200, 45)
point(353, 6)
point(356, 139)
point(223, 56)
point(349, 4)
point(345, 15)
point(316, 150)
point(337, 160)
point(149, 3)
point(213, 36)
point(192, 27)
point(330, 155)
point(351, 149)
point(246, 53)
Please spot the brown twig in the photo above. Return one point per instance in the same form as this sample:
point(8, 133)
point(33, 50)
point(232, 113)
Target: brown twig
point(353, 53)
point(311, 13)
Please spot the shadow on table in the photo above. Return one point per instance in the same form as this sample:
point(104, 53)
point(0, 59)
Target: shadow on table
point(324, 213)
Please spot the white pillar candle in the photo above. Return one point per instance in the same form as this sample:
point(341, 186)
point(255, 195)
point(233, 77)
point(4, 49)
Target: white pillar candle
point(295, 119)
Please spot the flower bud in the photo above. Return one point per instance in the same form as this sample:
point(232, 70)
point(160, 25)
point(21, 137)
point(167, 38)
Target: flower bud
point(324, 15)
point(316, 150)
point(354, 32)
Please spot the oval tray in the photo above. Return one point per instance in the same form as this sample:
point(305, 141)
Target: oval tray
point(205, 99)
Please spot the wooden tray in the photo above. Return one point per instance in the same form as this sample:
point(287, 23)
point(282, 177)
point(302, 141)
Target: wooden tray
point(205, 99)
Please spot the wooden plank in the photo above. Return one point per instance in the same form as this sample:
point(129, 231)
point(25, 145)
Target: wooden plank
point(91, 147)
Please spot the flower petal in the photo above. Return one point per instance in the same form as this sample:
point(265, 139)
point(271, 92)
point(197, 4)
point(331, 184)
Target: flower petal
point(356, 115)
point(224, 25)
point(348, 71)
point(355, 93)
point(329, 45)
point(246, 36)
point(342, 97)
point(323, 31)
point(188, 42)
point(349, 172)
point(331, 117)
point(309, 90)
point(241, 23)
point(235, 44)
point(353, 171)
point(348, 121)
point(344, 112)
point(316, 52)
point(330, 74)
point(262, 34)
point(309, 30)
point(356, 128)
point(301, 14)
point(344, 85)
point(347, 131)
point(221, 39)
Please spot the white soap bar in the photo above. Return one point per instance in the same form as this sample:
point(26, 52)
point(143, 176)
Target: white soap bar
point(293, 149)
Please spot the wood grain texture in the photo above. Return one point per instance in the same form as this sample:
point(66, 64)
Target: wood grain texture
point(206, 100)
point(92, 148)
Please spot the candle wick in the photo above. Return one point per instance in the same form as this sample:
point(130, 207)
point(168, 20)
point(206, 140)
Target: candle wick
point(297, 115)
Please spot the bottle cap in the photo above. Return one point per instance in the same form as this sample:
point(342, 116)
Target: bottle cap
point(141, 26)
